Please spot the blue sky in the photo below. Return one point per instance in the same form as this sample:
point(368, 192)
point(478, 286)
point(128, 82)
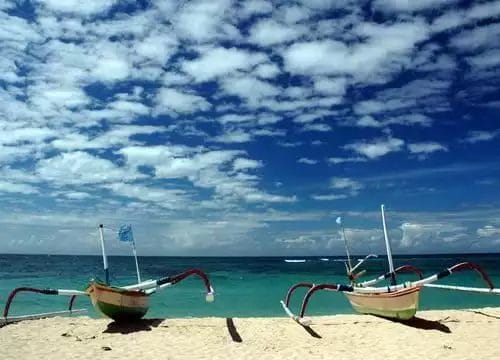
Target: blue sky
point(245, 128)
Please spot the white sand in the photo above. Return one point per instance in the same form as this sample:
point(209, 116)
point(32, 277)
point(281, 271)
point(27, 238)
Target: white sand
point(451, 334)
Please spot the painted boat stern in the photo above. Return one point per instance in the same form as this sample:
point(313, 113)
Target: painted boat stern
point(118, 304)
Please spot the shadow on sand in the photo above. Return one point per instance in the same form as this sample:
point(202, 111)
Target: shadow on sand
point(233, 332)
point(311, 332)
point(424, 324)
point(134, 326)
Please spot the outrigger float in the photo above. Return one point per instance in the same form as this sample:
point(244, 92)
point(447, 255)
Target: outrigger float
point(396, 301)
point(120, 303)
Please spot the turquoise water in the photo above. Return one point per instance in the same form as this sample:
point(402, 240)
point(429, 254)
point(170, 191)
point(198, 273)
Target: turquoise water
point(244, 286)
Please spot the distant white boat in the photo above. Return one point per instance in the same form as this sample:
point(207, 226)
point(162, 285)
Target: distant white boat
point(324, 259)
point(295, 260)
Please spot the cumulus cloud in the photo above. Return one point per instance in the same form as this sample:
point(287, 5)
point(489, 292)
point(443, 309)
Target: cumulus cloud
point(175, 101)
point(377, 148)
point(80, 167)
point(415, 235)
point(92, 7)
point(488, 231)
point(221, 61)
point(426, 148)
point(476, 136)
point(386, 46)
point(410, 6)
point(307, 161)
point(9, 187)
point(269, 32)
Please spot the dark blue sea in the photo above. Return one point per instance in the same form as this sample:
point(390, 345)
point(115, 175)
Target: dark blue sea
point(244, 286)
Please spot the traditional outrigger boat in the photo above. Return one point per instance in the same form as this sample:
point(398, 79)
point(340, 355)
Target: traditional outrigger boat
point(120, 303)
point(397, 301)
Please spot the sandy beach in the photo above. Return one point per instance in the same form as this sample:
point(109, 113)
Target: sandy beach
point(450, 334)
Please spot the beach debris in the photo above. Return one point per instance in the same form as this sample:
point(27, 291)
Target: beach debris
point(106, 348)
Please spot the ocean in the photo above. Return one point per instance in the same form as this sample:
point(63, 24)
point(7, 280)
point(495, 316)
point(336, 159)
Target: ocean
point(244, 286)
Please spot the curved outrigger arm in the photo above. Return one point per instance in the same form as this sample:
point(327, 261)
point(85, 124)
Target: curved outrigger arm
point(57, 292)
point(151, 286)
point(430, 279)
point(403, 268)
point(312, 289)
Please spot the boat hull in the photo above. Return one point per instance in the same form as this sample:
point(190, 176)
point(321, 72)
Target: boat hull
point(401, 304)
point(118, 304)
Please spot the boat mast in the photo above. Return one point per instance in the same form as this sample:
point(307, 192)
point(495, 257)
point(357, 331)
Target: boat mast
point(104, 257)
point(136, 262)
point(339, 221)
point(388, 248)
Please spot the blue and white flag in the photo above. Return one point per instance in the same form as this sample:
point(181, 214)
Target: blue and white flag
point(125, 233)
point(339, 220)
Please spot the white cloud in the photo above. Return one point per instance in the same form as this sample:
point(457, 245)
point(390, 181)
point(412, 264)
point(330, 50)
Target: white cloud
point(292, 13)
point(27, 134)
point(307, 161)
point(345, 183)
point(269, 32)
point(368, 121)
point(249, 88)
point(204, 20)
point(487, 59)
point(117, 135)
point(349, 186)
point(76, 195)
point(418, 235)
point(11, 154)
point(375, 106)
point(317, 127)
point(76, 168)
point(409, 5)
point(89, 7)
point(157, 47)
point(256, 7)
point(266, 71)
point(426, 148)
point(258, 196)
point(111, 67)
point(488, 231)
point(167, 198)
point(480, 136)
point(479, 37)
point(329, 197)
point(331, 86)
point(174, 101)
point(245, 164)
point(376, 149)
point(477, 12)
point(220, 61)
point(339, 160)
point(386, 48)
point(10, 187)
point(234, 136)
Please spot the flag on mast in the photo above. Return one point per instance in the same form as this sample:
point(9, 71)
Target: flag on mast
point(339, 220)
point(125, 233)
